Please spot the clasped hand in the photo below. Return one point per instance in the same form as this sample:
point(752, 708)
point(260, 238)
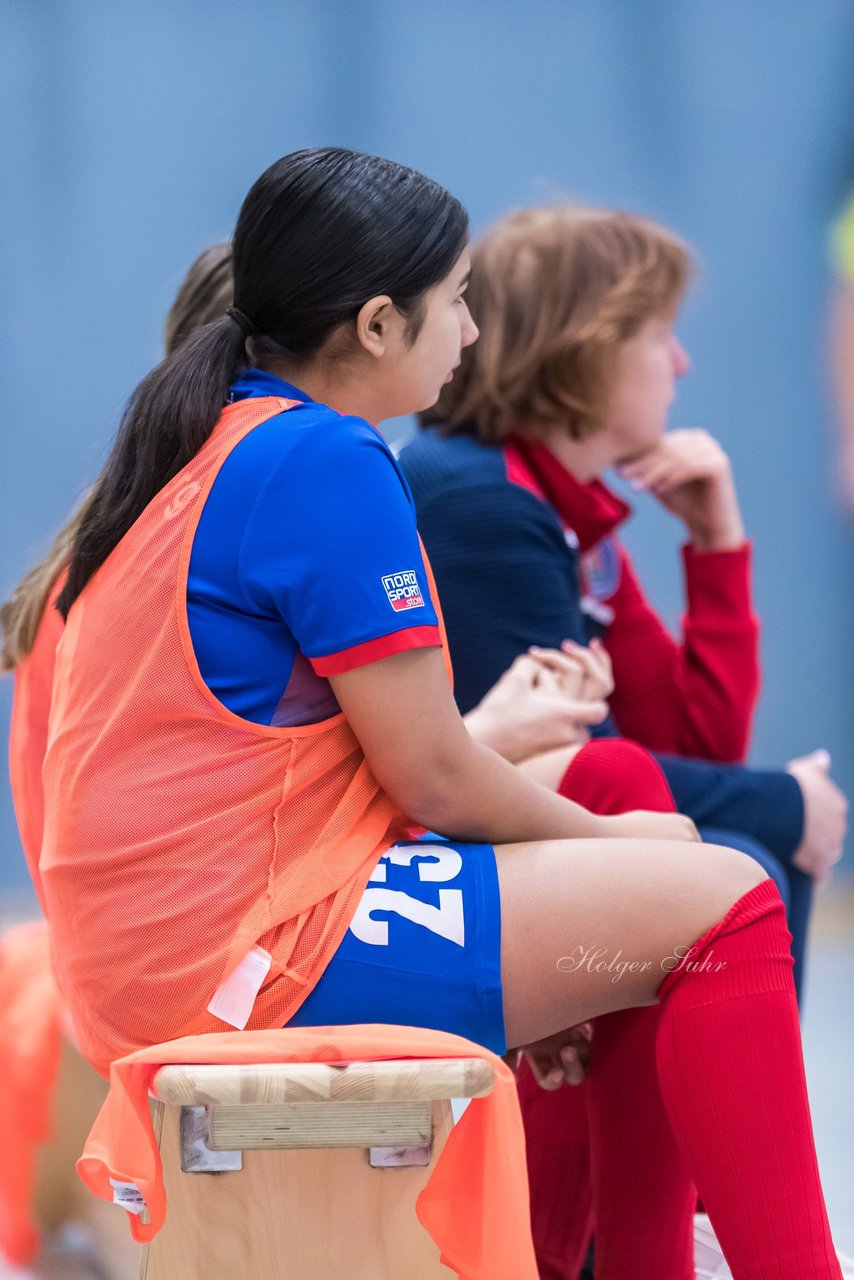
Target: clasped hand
point(547, 699)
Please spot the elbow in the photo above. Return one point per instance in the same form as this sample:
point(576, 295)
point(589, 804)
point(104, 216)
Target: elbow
point(431, 793)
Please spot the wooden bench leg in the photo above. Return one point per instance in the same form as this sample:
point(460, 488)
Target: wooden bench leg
point(293, 1215)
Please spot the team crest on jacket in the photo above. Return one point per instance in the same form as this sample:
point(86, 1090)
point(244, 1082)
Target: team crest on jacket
point(403, 590)
point(601, 568)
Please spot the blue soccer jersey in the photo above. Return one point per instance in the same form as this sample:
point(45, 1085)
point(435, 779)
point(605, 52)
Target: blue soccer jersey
point(306, 562)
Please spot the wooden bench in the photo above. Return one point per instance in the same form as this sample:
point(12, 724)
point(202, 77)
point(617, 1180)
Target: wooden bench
point(302, 1171)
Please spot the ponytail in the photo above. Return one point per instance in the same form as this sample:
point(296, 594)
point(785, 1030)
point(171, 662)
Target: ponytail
point(168, 419)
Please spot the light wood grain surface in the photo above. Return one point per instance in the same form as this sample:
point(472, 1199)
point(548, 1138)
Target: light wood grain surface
point(416, 1080)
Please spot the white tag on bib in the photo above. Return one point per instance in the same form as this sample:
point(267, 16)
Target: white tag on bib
point(233, 999)
point(129, 1196)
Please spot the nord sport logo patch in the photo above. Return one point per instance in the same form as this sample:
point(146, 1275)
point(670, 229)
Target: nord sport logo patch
point(403, 590)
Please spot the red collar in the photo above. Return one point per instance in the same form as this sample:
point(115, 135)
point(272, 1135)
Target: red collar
point(591, 510)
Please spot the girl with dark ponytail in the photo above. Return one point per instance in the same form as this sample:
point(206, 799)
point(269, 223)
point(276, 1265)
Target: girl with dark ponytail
point(234, 773)
point(293, 278)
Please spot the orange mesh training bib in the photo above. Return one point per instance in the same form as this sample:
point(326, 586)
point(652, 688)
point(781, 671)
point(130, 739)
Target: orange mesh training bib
point(178, 835)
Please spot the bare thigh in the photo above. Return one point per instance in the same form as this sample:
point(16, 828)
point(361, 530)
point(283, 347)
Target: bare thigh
point(589, 926)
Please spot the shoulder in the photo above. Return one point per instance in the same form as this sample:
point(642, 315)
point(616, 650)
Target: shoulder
point(433, 463)
point(311, 447)
point(315, 431)
point(494, 523)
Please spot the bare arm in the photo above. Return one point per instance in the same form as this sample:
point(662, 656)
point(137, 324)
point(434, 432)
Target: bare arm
point(404, 716)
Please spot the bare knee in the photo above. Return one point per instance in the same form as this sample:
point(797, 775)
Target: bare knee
point(739, 873)
point(630, 902)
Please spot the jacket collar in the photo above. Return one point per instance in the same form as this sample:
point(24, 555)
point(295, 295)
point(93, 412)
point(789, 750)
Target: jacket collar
point(591, 510)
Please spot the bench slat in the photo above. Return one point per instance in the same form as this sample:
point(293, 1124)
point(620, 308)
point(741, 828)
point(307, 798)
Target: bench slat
point(306, 1125)
point(413, 1080)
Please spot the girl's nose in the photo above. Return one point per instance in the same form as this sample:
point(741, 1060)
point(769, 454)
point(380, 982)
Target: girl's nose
point(470, 330)
point(681, 359)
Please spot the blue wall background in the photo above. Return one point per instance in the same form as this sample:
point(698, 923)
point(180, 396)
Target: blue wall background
point(130, 133)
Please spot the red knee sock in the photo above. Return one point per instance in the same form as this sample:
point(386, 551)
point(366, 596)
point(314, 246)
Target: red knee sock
point(558, 1148)
point(732, 1078)
point(613, 775)
point(643, 1195)
point(639, 1192)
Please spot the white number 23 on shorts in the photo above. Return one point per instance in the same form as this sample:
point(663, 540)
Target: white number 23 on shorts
point(446, 920)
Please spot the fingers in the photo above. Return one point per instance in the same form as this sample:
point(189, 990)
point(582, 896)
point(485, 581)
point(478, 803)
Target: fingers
point(592, 660)
point(561, 1059)
point(818, 863)
point(679, 457)
point(570, 672)
point(546, 1071)
point(575, 1056)
point(545, 672)
point(596, 665)
point(582, 711)
point(524, 666)
point(660, 477)
point(572, 1070)
point(512, 1058)
point(650, 824)
point(523, 673)
point(820, 758)
point(602, 672)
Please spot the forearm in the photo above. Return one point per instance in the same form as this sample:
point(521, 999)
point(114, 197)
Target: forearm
point(695, 698)
point(431, 767)
point(721, 653)
point(472, 794)
point(490, 731)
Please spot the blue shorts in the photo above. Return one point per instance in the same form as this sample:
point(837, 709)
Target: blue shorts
point(423, 949)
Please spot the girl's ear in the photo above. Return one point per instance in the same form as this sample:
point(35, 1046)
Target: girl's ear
point(374, 324)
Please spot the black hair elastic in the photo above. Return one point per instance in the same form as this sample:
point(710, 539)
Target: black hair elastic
point(242, 321)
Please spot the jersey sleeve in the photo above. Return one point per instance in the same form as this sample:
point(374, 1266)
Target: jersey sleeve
point(332, 547)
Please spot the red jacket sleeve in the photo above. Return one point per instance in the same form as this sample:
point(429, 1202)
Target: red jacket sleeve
point(696, 698)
